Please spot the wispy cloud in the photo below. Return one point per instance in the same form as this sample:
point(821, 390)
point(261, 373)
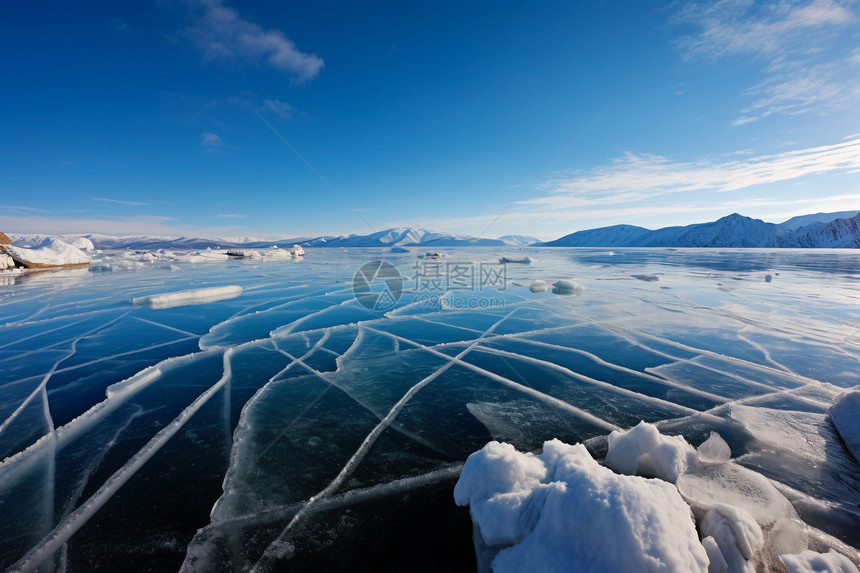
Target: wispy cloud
point(232, 216)
point(635, 177)
point(744, 28)
point(211, 141)
point(220, 33)
point(806, 66)
point(279, 108)
point(120, 201)
point(653, 191)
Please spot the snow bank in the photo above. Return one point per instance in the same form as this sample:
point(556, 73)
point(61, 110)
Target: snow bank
point(845, 413)
point(562, 511)
point(49, 253)
point(184, 297)
point(812, 562)
point(645, 451)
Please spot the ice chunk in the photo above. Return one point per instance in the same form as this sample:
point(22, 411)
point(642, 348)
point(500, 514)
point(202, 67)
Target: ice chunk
point(714, 450)
point(567, 286)
point(645, 451)
point(711, 485)
point(718, 562)
point(845, 413)
point(6, 262)
point(515, 260)
point(184, 297)
point(557, 510)
point(737, 536)
point(648, 278)
point(812, 562)
point(539, 286)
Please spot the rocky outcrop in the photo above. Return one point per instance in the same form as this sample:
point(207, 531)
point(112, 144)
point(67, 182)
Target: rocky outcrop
point(4, 240)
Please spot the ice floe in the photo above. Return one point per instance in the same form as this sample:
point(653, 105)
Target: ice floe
point(845, 413)
point(185, 297)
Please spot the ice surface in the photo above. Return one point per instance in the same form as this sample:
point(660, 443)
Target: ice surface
point(185, 297)
point(812, 562)
point(728, 484)
point(552, 512)
point(352, 425)
point(845, 413)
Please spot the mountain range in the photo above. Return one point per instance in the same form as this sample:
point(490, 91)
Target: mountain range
point(819, 230)
point(396, 237)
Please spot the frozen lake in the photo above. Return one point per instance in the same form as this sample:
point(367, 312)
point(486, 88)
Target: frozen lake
point(285, 424)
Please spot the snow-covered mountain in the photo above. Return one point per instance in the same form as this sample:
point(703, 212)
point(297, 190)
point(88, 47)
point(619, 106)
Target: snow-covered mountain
point(731, 231)
point(400, 236)
point(802, 220)
point(519, 240)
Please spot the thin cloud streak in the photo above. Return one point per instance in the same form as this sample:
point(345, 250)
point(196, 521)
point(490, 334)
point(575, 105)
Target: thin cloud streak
point(120, 201)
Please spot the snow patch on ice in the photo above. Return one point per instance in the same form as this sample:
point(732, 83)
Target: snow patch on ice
point(539, 286)
point(184, 297)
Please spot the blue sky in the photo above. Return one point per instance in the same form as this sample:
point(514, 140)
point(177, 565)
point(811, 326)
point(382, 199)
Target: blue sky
point(472, 117)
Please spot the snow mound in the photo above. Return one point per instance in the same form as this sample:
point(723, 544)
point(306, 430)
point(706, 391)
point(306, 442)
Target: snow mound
point(49, 253)
point(567, 286)
point(185, 297)
point(539, 286)
point(82, 243)
point(645, 451)
point(557, 510)
point(812, 562)
point(845, 413)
